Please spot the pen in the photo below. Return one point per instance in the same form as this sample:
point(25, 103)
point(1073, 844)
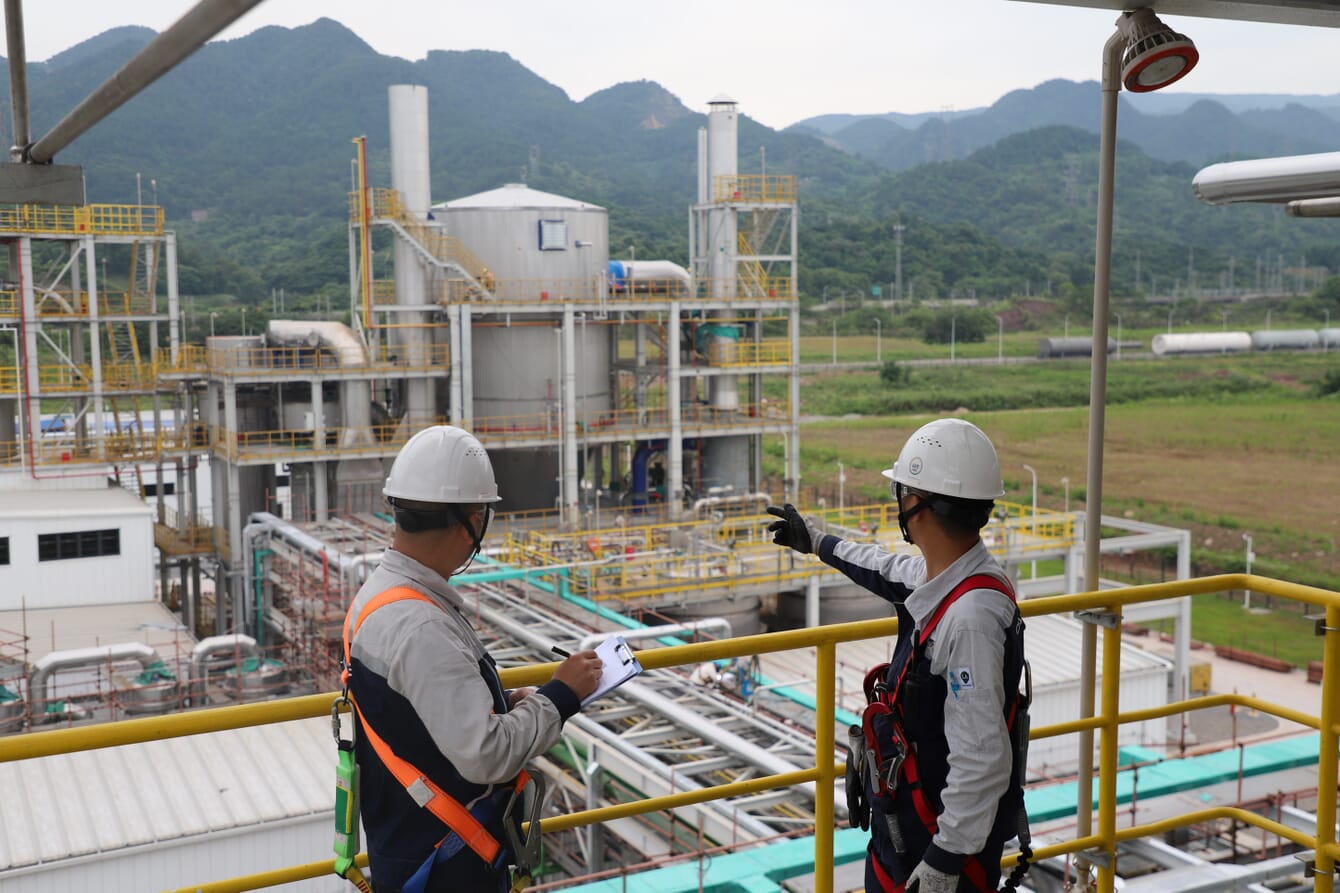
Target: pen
point(560, 652)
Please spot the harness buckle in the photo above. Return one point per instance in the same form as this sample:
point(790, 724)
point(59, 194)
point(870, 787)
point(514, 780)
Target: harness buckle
point(335, 721)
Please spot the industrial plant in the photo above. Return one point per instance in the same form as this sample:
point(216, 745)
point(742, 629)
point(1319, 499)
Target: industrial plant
point(183, 526)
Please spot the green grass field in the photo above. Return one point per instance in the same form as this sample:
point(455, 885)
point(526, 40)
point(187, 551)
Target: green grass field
point(1222, 446)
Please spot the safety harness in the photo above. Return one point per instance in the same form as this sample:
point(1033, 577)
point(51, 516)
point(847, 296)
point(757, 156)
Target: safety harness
point(467, 826)
point(886, 760)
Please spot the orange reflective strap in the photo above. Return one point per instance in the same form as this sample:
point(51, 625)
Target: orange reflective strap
point(418, 785)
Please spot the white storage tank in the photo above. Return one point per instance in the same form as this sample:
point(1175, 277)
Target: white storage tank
point(526, 236)
point(1329, 338)
point(1201, 342)
point(1285, 339)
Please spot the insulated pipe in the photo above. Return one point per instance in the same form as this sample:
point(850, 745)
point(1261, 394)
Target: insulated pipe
point(676, 780)
point(18, 78)
point(674, 471)
point(56, 661)
point(244, 647)
point(1291, 178)
point(180, 40)
point(675, 712)
point(1314, 207)
point(355, 396)
point(569, 446)
point(352, 568)
point(653, 632)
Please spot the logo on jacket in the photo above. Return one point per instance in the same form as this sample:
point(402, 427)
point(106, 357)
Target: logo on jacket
point(960, 678)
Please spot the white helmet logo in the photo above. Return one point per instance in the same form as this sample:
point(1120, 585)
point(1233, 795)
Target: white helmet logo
point(914, 467)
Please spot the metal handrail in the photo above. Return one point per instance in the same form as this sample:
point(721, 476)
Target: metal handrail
point(825, 772)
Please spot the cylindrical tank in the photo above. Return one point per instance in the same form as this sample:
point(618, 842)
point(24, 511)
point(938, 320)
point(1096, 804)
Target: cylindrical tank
point(1329, 338)
point(1285, 339)
point(723, 160)
point(1201, 342)
point(726, 463)
point(1070, 347)
point(531, 241)
point(527, 479)
point(154, 690)
point(11, 710)
point(743, 613)
point(408, 106)
point(837, 604)
point(517, 380)
point(259, 678)
point(224, 352)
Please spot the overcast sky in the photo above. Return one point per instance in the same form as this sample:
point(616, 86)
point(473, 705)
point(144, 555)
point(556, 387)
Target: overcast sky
point(782, 61)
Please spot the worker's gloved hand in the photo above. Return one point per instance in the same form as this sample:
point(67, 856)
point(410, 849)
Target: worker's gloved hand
point(792, 530)
point(925, 879)
point(858, 809)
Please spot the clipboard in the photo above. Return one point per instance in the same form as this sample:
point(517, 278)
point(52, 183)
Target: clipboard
point(619, 665)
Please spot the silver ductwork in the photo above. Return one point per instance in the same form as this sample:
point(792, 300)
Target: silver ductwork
point(154, 697)
point(1288, 179)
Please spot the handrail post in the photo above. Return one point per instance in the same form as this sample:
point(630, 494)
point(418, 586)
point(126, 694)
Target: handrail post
point(1107, 752)
point(1327, 752)
point(825, 687)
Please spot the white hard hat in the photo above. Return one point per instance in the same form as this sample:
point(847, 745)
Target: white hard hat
point(950, 457)
point(442, 464)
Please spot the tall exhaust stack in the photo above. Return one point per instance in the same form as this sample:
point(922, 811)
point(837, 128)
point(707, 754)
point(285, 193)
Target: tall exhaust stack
point(410, 178)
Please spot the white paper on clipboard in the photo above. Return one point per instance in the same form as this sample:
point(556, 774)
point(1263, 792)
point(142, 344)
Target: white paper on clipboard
point(619, 665)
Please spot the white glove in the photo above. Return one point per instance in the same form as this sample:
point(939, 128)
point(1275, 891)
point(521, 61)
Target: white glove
point(925, 879)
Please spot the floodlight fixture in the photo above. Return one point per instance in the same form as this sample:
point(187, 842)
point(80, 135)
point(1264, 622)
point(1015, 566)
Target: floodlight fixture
point(1155, 54)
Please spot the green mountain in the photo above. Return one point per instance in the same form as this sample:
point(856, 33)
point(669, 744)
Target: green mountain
point(247, 145)
point(1200, 131)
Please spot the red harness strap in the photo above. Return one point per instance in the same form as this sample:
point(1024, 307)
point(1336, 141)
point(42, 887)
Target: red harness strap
point(972, 868)
point(418, 785)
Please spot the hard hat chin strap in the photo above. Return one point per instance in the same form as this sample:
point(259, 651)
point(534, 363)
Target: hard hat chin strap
point(463, 518)
point(905, 515)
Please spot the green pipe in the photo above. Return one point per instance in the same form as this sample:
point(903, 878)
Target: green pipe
point(258, 576)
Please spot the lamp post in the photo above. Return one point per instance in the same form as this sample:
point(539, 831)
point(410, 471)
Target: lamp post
point(244, 320)
point(1118, 316)
point(879, 333)
point(1000, 340)
point(1247, 593)
point(953, 335)
point(1066, 332)
point(1034, 532)
point(835, 342)
point(212, 315)
point(842, 491)
point(1145, 55)
point(1170, 316)
point(1224, 313)
point(1065, 484)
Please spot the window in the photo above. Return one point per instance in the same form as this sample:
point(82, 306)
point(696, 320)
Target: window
point(78, 544)
point(169, 489)
point(4, 550)
point(553, 235)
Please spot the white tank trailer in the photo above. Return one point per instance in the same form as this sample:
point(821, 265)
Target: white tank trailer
point(1285, 339)
point(1201, 342)
point(1070, 347)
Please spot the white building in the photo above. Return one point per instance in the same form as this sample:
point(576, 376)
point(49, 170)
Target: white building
point(70, 548)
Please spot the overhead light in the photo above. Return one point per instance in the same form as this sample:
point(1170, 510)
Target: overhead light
point(1156, 55)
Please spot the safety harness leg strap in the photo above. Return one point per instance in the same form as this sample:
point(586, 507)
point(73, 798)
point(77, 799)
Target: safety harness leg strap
point(422, 789)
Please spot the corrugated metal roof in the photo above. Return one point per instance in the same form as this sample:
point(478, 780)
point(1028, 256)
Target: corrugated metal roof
point(63, 629)
point(100, 801)
point(1052, 644)
point(517, 195)
point(47, 503)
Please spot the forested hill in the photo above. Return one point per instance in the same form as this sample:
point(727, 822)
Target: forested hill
point(255, 133)
point(1207, 128)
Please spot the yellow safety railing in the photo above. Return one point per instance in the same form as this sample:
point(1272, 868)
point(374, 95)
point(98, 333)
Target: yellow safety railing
point(98, 220)
point(260, 362)
point(823, 640)
point(779, 189)
point(728, 354)
point(53, 304)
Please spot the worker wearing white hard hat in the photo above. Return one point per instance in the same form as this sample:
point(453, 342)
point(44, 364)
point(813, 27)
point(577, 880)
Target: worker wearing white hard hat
point(440, 745)
point(936, 766)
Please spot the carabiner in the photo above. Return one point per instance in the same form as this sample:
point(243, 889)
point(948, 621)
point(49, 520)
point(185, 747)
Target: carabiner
point(335, 721)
